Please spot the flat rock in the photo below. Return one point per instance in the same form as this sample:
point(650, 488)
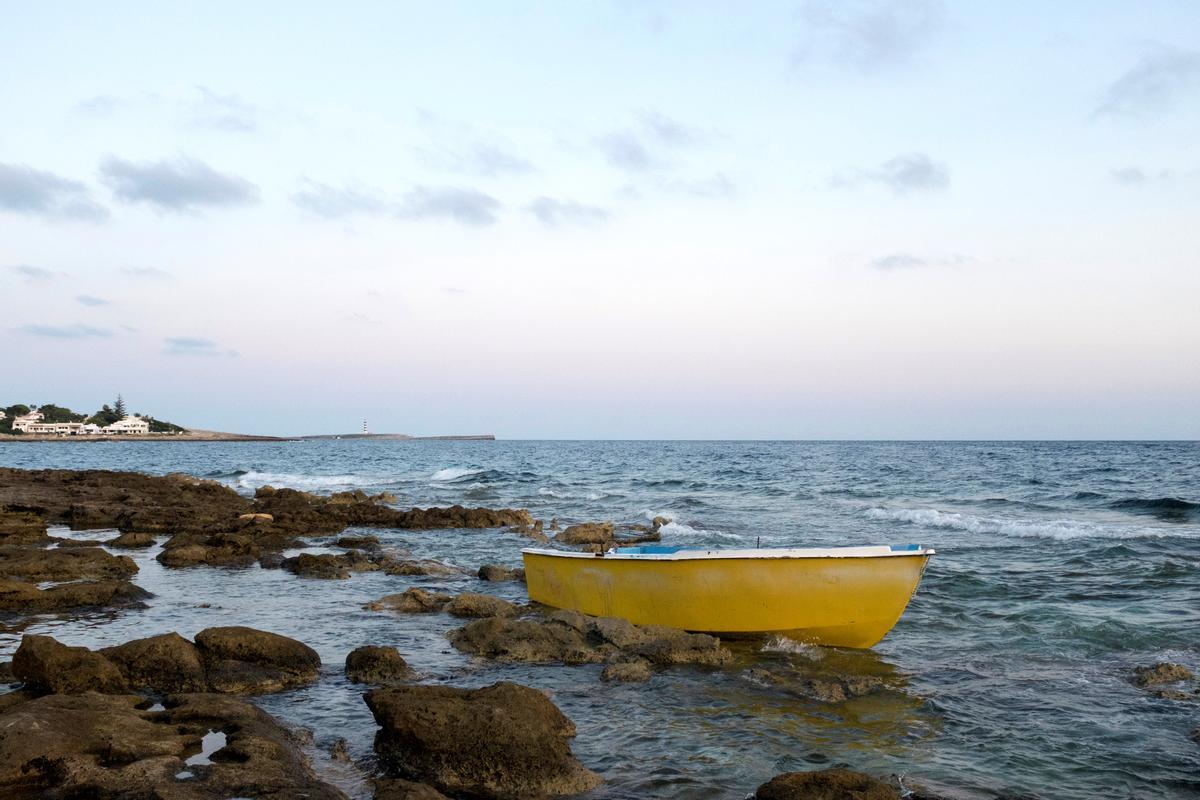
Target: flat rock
point(826, 784)
point(422, 567)
point(243, 660)
point(133, 539)
point(410, 601)
point(473, 604)
point(63, 564)
point(45, 664)
point(586, 533)
point(106, 746)
point(503, 741)
point(499, 572)
point(22, 527)
point(28, 598)
point(378, 665)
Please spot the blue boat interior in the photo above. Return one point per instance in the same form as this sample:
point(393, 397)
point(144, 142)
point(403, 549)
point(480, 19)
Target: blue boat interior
point(901, 548)
point(654, 550)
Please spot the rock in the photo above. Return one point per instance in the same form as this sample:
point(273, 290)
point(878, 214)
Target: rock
point(340, 752)
point(308, 565)
point(1160, 673)
point(627, 671)
point(132, 540)
point(359, 542)
point(572, 638)
point(502, 741)
point(247, 661)
point(825, 784)
point(660, 521)
point(471, 604)
point(379, 665)
point(259, 518)
point(57, 564)
point(165, 664)
point(424, 567)
point(554, 523)
point(826, 689)
point(22, 527)
point(27, 597)
point(44, 664)
point(499, 572)
point(587, 533)
point(398, 789)
point(104, 746)
point(410, 601)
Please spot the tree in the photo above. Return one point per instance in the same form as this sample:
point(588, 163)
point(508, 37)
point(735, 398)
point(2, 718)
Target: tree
point(119, 407)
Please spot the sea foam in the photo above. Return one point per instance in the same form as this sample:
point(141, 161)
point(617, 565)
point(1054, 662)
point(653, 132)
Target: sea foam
point(1060, 529)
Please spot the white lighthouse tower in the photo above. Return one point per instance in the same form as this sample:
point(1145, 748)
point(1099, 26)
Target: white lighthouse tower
point(364, 427)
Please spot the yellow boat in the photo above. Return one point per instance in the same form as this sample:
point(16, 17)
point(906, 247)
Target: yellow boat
point(840, 596)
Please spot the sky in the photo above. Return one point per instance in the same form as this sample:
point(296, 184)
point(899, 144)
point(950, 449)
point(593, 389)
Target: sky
point(813, 219)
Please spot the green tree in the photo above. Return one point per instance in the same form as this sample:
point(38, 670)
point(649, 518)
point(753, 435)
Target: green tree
point(119, 408)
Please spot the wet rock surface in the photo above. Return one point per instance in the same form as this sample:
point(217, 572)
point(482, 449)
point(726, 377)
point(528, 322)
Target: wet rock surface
point(570, 638)
point(1161, 673)
point(472, 604)
point(46, 665)
point(59, 564)
point(25, 597)
point(501, 741)
point(826, 784)
point(499, 572)
point(399, 789)
point(243, 660)
point(95, 745)
point(378, 665)
point(411, 601)
point(22, 527)
point(167, 663)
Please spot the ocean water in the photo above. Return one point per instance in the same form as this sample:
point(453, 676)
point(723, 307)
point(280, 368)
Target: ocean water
point(1060, 567)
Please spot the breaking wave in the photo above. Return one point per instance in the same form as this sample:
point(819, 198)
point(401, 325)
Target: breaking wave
point(451, 474)
point(1061, 529)
point(673, 528)
point(312, 483)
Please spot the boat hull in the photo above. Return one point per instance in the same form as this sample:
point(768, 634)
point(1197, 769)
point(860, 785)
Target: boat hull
point(845, 602)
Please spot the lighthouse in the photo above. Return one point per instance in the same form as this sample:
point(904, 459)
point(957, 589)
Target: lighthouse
point(364, 427)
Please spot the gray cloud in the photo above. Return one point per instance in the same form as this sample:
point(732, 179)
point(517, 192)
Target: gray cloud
point(669, 131)
point(194, 346)
point(903, 261)
point(1136, 176)
point(34, 274)
point(34, 192)
point(553, 213)
point(867, 34)
point(913, 172)
point(92, 300)
point(223, 112)
point(100, 106)
point(334, 203)
point(66, 331)
point(624, 150)
point(181, 185)
point(1154, 85)
point(487, 160)
point(465, 206)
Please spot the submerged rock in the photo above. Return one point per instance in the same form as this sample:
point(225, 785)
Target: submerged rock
point(826, 784)
point(410, 601)
point(46, 665)
point(136, 539)
point(378, 665)
point(96, 745)
point(499, 572)
point(423, 567)
point(1160, 673)
point(627, 671)
point(571, 638)
point(502, 741)
point(27, 597)
point(242, 660)
point(472, 604)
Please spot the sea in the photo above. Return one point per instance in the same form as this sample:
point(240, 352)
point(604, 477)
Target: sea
point(1060, 567)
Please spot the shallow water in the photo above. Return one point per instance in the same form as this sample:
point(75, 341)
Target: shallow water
point(1060, 567)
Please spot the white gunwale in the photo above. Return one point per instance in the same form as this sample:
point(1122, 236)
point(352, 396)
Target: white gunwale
point(872, 551)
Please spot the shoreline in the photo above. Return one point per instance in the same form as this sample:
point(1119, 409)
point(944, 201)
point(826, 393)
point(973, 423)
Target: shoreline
point(216, 436)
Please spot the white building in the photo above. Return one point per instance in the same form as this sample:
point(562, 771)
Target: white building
point(23, 422)
point(129, 426)
point(54, 428)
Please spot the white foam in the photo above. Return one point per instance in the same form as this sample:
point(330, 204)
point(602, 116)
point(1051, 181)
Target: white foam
point(1060, 529)
point(673, 528)
point(453, 473)
point(253, 480)
point(546, 492)
point(782, 644)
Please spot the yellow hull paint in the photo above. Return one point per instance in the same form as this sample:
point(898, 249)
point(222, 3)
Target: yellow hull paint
point(844, 602)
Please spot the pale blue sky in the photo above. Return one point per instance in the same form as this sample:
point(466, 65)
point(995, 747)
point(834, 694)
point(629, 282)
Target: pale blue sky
point(607, 219)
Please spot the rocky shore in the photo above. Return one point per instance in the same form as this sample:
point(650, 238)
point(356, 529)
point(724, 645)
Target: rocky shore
point(172, 716)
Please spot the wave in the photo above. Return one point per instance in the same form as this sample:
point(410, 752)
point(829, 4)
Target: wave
point(254, 479)
point(1061, 530)
point(555, 493)
point(673, 528)
point(1169, 508)
point(782, 644)
point(451, 474)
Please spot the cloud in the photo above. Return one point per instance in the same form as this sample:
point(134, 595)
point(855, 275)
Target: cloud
point(153, 273)
point(903, 261)
point(669, 131)
point(92, 300)
point(223, 112)
point(487, 160)
point(914, 172)
point(34, 192)
point(717, 186)
point(334, 203)
point(867, 34)
point(181, 185)
point(34, 274)
point(194, 346)
point(554, 213)
point(1136, 176)
point(1154, 85)
point(624, 150)
point(100, 106)
point(66, 331)
point(464, 206)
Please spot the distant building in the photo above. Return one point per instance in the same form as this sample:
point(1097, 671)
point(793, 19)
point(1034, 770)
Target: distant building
point(22, 422)
point(54, 428)
point(3, 415)
point(129, 426)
